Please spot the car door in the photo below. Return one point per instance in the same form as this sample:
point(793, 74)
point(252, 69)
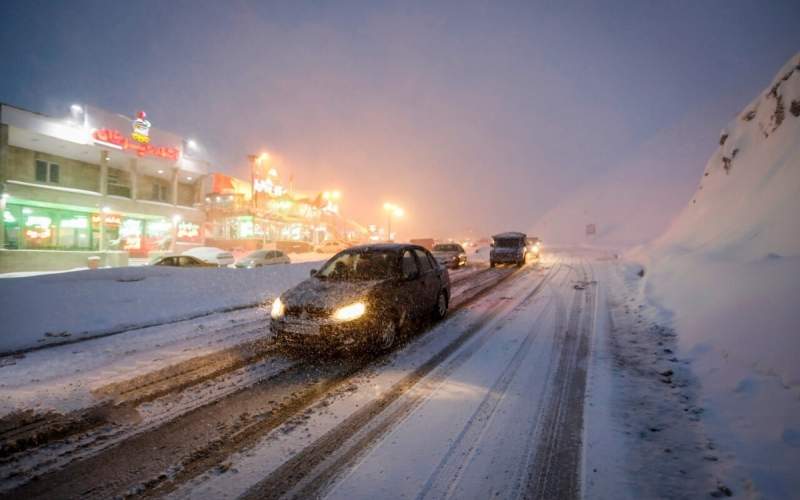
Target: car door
point(410, 286)
point(429, 280)
point(271, 257)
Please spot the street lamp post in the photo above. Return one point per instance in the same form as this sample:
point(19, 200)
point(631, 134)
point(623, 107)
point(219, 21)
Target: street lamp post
point(391, 209)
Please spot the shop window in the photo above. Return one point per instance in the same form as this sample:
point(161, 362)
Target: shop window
point(54, 168)
point(47, 172)
point(159, 192)
point(41, 171)
point(119, 183)
point(73, 231)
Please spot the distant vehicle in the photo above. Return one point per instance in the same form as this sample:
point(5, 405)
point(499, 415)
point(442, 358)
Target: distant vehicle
point(294, 246)
point(181, 261)
point(534, 245)
point(261, 258)
point(364, 296)
point(211, 255)
point(331, 247)
point(509, 248)
point(426, 243)
point(450, 255)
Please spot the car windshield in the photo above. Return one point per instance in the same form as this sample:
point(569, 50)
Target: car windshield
point(447, 248)
point(507, 243)
point(360, 266)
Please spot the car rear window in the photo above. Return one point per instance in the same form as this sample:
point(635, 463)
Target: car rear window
point(507, 243)
point(450, 247)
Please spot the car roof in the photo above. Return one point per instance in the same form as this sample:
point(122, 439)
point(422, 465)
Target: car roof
point(510, 234)
point(392, 247)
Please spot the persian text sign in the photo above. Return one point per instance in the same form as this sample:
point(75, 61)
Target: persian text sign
point(116, 138)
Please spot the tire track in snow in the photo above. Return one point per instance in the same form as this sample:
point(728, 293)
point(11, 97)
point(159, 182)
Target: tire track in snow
point(555, 472)
point(306, 474)
point(445, 480)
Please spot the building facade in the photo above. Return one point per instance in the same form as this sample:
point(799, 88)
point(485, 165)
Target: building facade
point(244, 216)
point(94, 182)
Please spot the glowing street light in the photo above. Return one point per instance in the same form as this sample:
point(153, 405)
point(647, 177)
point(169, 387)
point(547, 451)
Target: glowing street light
point(391, 209)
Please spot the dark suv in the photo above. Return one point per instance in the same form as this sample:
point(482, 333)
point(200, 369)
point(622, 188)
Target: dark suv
point(509, 248)
point(362, 297)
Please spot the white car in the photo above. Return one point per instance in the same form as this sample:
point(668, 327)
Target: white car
point(263, 258)
point(212, 255)
point(331, 247)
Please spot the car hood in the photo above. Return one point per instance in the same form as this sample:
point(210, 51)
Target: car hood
point(317, 294)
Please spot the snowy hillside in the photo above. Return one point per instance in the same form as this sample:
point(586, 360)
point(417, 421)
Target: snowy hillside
point(726, 273)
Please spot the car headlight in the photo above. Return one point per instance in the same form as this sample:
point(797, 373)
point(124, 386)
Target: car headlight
point(351, 312)
point(278, 309)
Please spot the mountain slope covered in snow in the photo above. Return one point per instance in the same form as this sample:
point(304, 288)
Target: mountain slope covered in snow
point(726, 273)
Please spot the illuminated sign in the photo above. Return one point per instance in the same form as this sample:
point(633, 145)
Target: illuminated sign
point(188, 230)
point(111, 219)
point(74, 223)
point(38, 220)
point(116, 139)
point(131, 233)
point(132, 243)
point(38, 233)
point(266, 186)
point(141, 128)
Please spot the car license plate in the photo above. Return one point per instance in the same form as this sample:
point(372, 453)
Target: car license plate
point(302, 328)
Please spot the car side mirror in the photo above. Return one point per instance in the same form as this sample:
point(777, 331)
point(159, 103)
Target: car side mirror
point(312, 273)
point(491, 245)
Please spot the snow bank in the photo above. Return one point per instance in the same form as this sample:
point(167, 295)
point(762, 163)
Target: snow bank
point(726, 274)
point(58, 308)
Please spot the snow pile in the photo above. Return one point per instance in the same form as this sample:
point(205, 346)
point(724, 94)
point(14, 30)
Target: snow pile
point(726, 272)
point(58, 308)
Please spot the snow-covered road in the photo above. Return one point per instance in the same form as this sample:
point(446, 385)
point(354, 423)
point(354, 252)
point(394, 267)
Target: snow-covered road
point(492, 402)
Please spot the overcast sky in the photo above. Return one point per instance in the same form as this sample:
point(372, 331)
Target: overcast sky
point(471, 115)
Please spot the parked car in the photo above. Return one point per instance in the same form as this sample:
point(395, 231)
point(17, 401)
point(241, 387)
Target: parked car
point(362, 297)
point(450, 255)
point(508, 248)
point(331, 247)
point(181, 261)
point(212, 255)
point(263, 258)
point(293, 246)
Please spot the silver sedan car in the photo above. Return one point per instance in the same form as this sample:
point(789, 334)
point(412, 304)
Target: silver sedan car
point(450, 255)
point(261, 258)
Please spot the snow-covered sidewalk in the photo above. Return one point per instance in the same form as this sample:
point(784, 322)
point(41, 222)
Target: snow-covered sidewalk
point(61, 308)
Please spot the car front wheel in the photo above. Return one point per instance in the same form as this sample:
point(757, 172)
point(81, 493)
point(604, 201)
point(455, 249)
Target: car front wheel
point(387, 335)
point(440, 310)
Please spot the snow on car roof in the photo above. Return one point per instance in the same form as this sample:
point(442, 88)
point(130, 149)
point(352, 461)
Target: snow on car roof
point(510, 234)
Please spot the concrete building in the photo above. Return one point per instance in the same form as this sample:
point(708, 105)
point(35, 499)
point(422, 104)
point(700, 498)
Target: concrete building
point(94, 183)
point(244, 216)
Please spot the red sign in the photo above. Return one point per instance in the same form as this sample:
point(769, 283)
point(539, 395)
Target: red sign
point(110, 219)
point(116, 138)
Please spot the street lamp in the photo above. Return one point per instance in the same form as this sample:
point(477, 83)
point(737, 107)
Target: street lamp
point(391, 209)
